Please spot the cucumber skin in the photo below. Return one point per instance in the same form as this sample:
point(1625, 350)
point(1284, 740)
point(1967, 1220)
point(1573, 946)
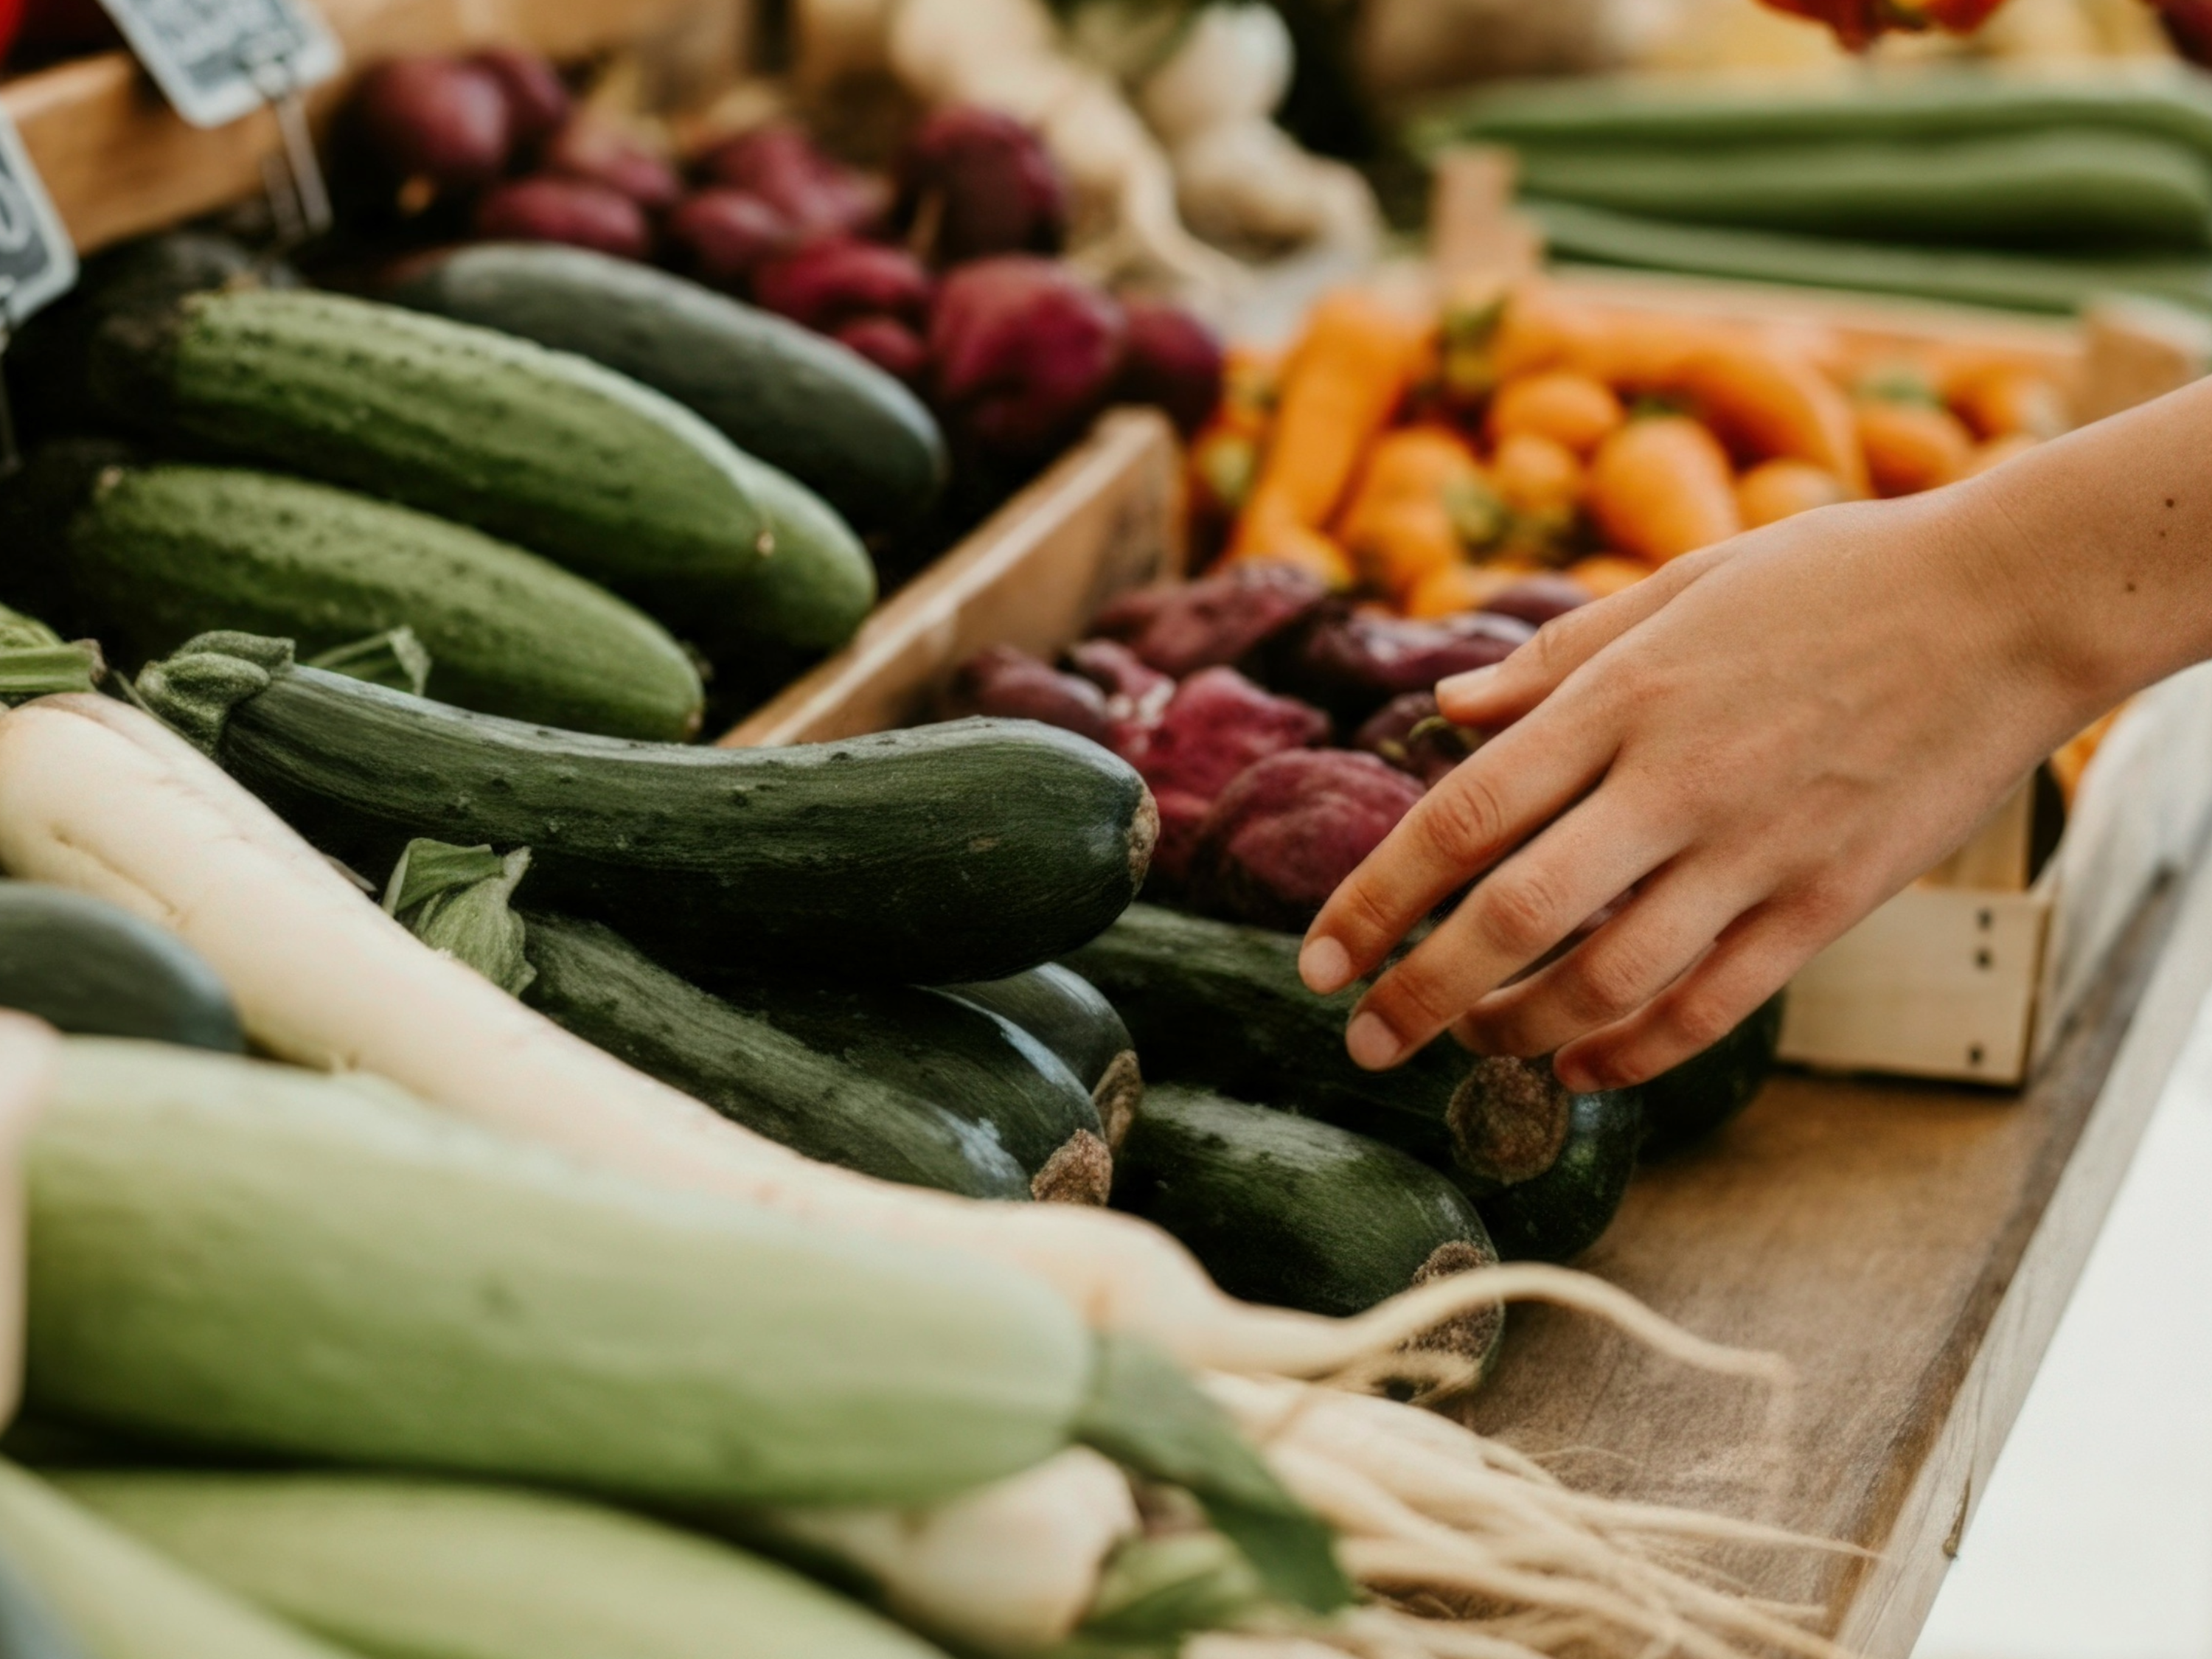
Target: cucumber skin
point(1222, 1004)
point(948, 853)
point(540, 448)
point(88, 968)
point(1564, 1211)
point(1702, 1094)
point(800, 403)
point(594, 985)
point(2096, 189)
point(373, 1283)
point(389, 1565)
point(161, 554)
point(1283, 1210)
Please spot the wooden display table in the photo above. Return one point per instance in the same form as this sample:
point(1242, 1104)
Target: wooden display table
point(1909, 1247)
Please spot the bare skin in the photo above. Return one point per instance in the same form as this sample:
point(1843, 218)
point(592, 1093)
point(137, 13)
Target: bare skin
point(1763, 743)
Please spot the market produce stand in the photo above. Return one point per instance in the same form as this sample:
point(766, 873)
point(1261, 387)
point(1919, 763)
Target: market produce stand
point(1909, 1247)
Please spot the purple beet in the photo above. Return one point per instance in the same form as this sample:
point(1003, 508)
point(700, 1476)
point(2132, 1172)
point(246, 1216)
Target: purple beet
point(1136, 693)
point(1025, 353)
point(973, 183)
point(1217, 724)
point(546, 209)
point(1412, 734)
point(602, 155)
point(436, 118)
point(1286, 833)
point(1010, 684)
point(538, 102)
point(779, 164)
point(889, 344)
point(1174, 362)
point(1183, 820)
point(720, 236)
point(1217, 619)
point(1538, 599)
point(836, 280)
point(1352, 662)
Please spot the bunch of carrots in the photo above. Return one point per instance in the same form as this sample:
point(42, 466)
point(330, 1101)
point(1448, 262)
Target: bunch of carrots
point(1427, 462)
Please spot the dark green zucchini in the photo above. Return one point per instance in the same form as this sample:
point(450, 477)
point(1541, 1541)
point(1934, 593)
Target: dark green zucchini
point(1700, 1094)
point(591, 982)
point(951, 853)
point(1218, 1003)
point(1283, 1210)
point(799, 402)
point(1563, 1211)
point(86, 967)
point(1070, 1016)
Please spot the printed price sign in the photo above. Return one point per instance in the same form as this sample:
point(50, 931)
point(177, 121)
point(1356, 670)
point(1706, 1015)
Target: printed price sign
point(217, 60)
point(37, 262)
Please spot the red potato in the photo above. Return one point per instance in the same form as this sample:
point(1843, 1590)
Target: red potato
point(1174, 362)
point(1216, 620)
point(591, 149)
point(538, 100)
point(1217, 724)
point(1136, 693)
point(973, 183)
point(889, 344)
point(571, 211)
point(779, 164)
point(829, 283)
point(436, 118)
point(1411, 733)
point(1287, 832)
point(721, 236)
point(1025, 353)
point(1012, 685)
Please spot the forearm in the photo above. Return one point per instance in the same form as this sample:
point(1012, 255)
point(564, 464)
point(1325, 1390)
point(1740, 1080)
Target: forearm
point(2100, 543)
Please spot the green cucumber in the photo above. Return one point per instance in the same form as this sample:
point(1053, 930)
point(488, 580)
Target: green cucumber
point(371, 1283)
point(116, 1599)
point(809, 1096)
point(1222, 1004)
point(153, 555)
point(830, 419)
point(539, 448)
point(1069, 1014)
point(409, 1568)
point(1560, 1213)
point(948, 853)
point(2084, 186)
point(1283, 1210)
point(87, 967)
point(1701, 1094)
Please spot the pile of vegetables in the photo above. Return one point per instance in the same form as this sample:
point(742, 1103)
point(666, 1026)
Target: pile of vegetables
point(941, 269)
point(2032, 192)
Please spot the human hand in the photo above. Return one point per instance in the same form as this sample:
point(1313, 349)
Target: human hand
point(1751, 750)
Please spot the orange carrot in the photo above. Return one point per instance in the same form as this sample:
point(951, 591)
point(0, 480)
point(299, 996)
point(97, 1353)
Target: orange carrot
point(2005, 401)
point(1264, 535)
point(1778, 489)
point(1662, 487)
point(1765, 403)
point(1460, 587)
point(1912, 446)
point(1402, 543)
point(1342, 385)
point(1537, 475)
point(1570, 408)
point(1415, 463)
point(1607, 574)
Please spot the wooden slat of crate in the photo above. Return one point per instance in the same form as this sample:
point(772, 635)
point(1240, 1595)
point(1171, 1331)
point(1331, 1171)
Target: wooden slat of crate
point(120, 164)
point(1105, 518)
point(1908, 1247)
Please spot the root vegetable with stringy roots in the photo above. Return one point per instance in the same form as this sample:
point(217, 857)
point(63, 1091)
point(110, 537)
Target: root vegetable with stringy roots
point(99, 796)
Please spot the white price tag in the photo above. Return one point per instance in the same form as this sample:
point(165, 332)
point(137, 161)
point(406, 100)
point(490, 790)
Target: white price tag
point(217, 60)
point(37, 262)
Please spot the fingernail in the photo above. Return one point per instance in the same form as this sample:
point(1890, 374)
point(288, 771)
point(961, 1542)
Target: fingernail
point(1373, 1044)
point(1325, 965)
point(1472, 684)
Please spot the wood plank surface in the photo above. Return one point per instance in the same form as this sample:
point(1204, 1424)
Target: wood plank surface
point(120, 164)
point(1909, 1247)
